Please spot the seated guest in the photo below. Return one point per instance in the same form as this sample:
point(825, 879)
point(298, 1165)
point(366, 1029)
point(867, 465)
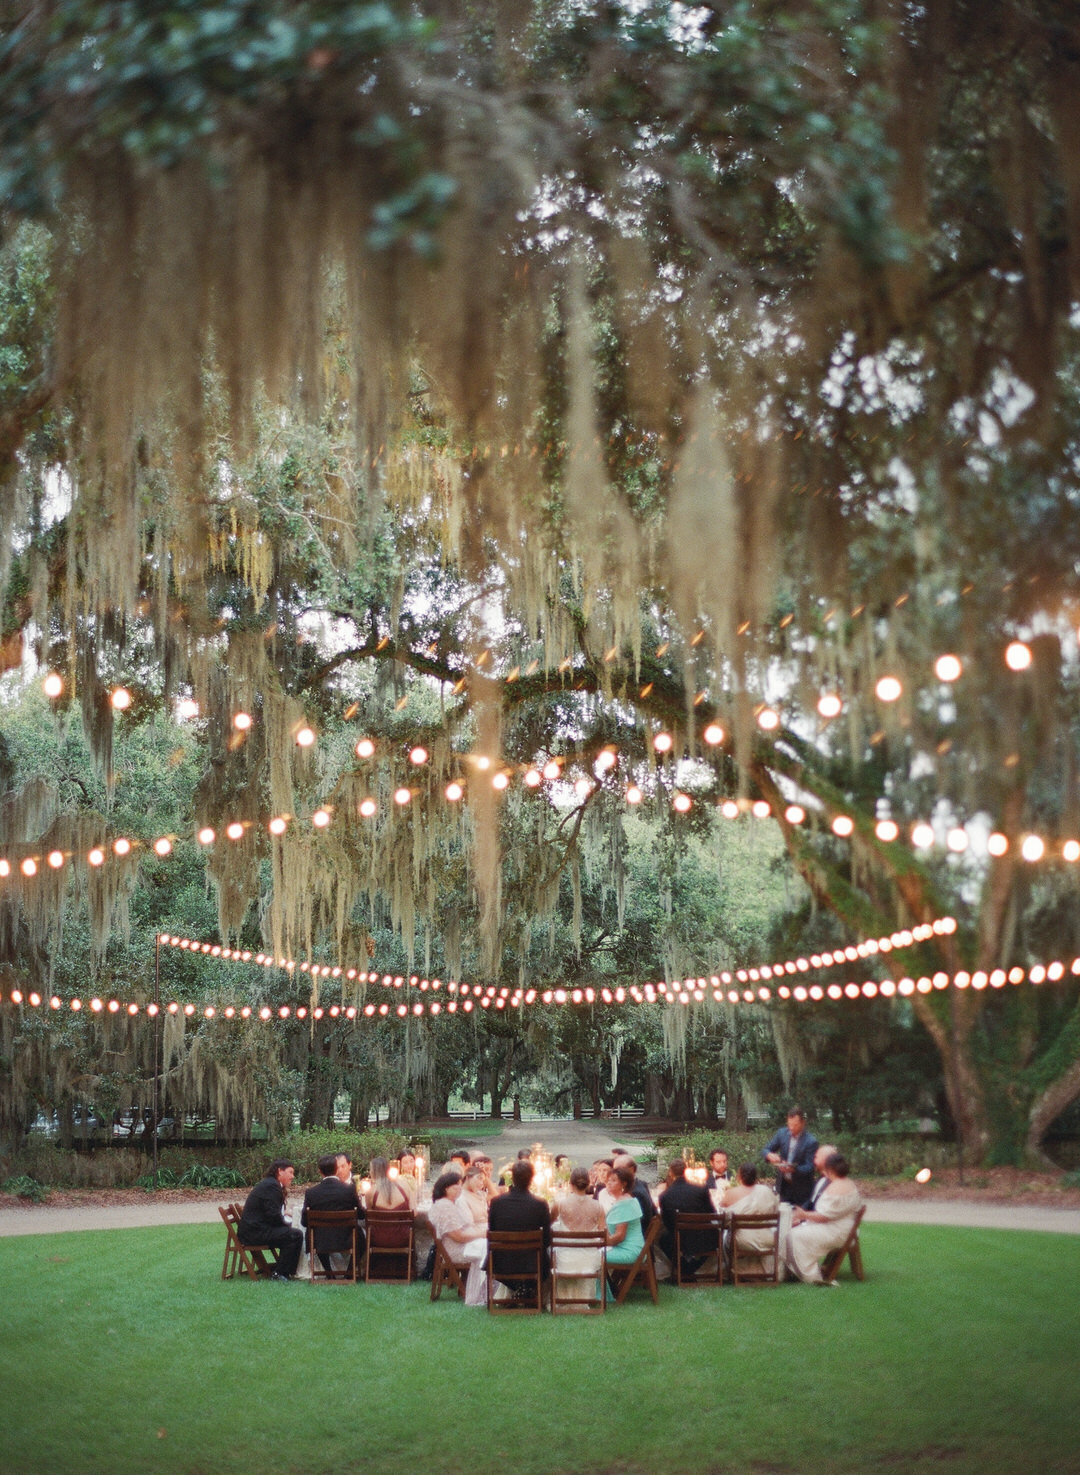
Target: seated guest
point(639, 1189)
point(598, 1176)
point(791, 1152)
point(463, 1240)
point(577, 1212)
point(681, 1197)
point(718, 1179)
point(748, 1196)
point(821, 1183)
point(816, 1231)
point(459, 1161)
point(487, 1167)
point(385, 1192)
point(625, 1240)
point(520, 1209)
point(474, 1198)
point(407, 1178)
point(333, 1246)
point(263, 1221)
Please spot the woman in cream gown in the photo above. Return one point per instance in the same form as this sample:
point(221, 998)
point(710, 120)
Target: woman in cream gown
point(825, 1227)
point(578, 1213)
point(747, 1196)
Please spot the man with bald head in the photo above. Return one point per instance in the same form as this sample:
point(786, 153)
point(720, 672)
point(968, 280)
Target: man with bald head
point(824, 1152)
point(640, 1190)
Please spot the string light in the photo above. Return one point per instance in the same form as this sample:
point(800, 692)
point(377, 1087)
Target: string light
point(888, 689)
point(53, 685)
point(120, 699)
point(947, 668)
point(305, 737)
point(365, 748)
point(829, 705)
point(241, 721)
point(1017, 656)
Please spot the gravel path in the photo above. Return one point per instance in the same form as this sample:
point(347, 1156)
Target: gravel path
point(583, 1142)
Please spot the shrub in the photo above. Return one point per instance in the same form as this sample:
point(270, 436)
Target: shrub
point(64, 1168)
point(163, 1178)
point(26, 1187)
point(875, 1157)
point(306, 1147)
point(203, 1175)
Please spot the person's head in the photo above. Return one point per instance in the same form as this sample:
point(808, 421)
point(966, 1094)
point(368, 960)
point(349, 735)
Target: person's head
point(624, 1160)
point(328, 1164)
point(561, 1161)
point(379, 1173)
point(407, 1162)
point(676, 1168)
point(796, 1120)
point(460, 1158)
point(343, 1168)
point(474, 1178)
point(521, 1174)
point(718, 1161)
point(445, 1184)
point(486, 1166)
point(826, 1150)
point(600, 1169)
point(747, 1174)
point(620, 1181)
point(837, 1165)
point(579, 1180)
point(283, 1170)
point(524, 1155)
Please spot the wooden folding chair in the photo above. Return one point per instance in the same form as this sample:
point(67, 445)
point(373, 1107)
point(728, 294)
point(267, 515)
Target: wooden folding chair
point(249, 1259)
point(762, 1275)
point(524, 1243)
point(706, 1230)
point(332, 1219)
point(564, 1241)
point(835, 1258)
point(445, 1273)
point(389, 1237)
point(622, 1278)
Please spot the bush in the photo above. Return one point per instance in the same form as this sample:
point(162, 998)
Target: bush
point(26, 1187)
point(64, 1168)
point(163, 1178)
point(203, 1175)
point(305, 1148)
point(875, 1157)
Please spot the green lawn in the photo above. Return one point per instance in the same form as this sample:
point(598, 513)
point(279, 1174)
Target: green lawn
point(124, 1352)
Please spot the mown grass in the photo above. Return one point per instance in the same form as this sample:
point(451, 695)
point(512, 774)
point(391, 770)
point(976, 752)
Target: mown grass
point(123, 1352)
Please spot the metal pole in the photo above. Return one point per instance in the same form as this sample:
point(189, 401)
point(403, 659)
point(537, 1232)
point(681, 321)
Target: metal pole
point(157, 1036)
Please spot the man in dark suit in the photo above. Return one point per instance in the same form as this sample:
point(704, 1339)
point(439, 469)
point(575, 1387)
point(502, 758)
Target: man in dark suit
point(519, 1209)
point(718, 1177)
point(791, 1153)
point(263, 1220)
point(335, 1191)
point(682, 1197)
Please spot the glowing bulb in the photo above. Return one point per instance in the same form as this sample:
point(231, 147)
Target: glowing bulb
point(957, 840)
point(29, 867)
point(729, 809)
point(633, 795)
point(122, 846)
point(1018, 656)
point(418, 755)
point(829, 705)
point(305, 737)
point(681, 802)
point(532, 779)
point(947, 668)
point(794, 814)
point(483, 763)
point(402, 796)
point(187, 708)
point(278, 825)
point(53, 684)
point(121, 699)
point(843, 825)
point(551, 769)
point(454, 791)
point(1070, 851)
point(888, 689)
point(364, 748)
point(320, 819)
point(768, 720)
point(56, 859)
point(235, 831)
point(997, 844)
point(922, 836)
point(367, 807)
point(206, 836)
point(500, 781)
point(96, 857)
point(605, 760)
point(163, 847)
point(583, 788)
point(886, 830)
point(241, 721)
point(663, 742)
point(760, 809)
point(1032, 848)
point(713, 734)
point(923, 1175)
point(5, 868)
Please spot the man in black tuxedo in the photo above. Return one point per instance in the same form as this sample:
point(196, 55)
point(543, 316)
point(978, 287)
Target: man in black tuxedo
point(263, 1220)
point(335, 1191)
point(519, 1209)
point(682, 1197)
point(791, 1152)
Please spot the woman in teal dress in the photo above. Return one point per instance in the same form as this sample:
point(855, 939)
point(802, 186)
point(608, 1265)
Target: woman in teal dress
point(625, 1240)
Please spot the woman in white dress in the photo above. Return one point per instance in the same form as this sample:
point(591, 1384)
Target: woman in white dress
point(464, 1241)
point(748, 1196)
point(825, 1227)
point(578, 1213)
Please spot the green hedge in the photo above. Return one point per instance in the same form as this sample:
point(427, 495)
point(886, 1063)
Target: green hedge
point(873, 1157)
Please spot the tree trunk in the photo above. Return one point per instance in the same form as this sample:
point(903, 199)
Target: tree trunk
point(963, 1085)
point(1047, 1107)
point(735, 1109)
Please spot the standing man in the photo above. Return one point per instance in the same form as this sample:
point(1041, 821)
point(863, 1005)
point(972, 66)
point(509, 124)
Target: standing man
point(520, 1209)
point(263, 1220)
point(335, 1191)
point(791, 1153)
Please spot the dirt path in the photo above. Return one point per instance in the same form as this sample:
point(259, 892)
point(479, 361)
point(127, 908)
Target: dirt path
point(581, 1141)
